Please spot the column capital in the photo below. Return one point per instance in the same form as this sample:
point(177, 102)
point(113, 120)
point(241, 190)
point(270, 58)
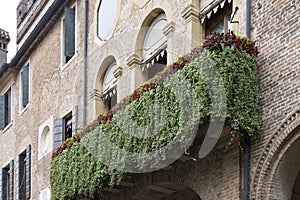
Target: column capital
point(118, 73)
point(190, 13)
point(169, 29)
point(133, 60)
point(95, 94)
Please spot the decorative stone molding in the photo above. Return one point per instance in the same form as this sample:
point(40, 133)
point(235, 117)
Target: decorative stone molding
point(169, 29)
point(96, 94)
point(190, 13)
point(272, 150)
point(45, 138)
point(133, 60)
point(118, 72)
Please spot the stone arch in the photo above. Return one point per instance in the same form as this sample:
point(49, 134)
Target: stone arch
point(148, 19)
point(284, 184)
point(277, 146)
point(99, 104)
point(166, 191)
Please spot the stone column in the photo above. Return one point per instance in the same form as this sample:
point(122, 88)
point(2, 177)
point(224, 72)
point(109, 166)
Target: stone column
point(195, 31)
point(135, 73)
point(117, 74)
point(235, 26)
point(168, 31)
point(95, 96)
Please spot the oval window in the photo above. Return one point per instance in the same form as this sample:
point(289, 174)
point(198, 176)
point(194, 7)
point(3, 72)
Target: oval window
point(107, 13)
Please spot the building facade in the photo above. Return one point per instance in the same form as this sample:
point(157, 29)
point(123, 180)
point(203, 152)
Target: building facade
point(77, 58)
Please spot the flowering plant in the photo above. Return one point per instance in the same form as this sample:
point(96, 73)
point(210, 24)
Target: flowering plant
point(216, 41)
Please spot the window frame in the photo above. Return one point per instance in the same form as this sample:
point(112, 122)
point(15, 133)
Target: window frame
point(110, 100)
point(64, 62)
point(221, 15)
point(22, 107)
point(60, 128)
point(68, 125)
point(113, 25)
point(8, 109)
point(8, 181)
point(24, 169)
point(155, 56)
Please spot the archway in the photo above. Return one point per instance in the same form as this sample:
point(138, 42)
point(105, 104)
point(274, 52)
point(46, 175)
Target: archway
point(296, 189)
point(167, 191)
point(286, 181)
point(268, 178)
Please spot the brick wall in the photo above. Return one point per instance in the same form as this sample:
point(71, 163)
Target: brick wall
point(275, 25)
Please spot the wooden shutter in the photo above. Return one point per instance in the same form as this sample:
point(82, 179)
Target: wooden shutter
point(20, 177)
point(25, 86)
point(8, 107)
point(69, 32)
point(74, 119)
point(28, 171)
point(11, 180)
point(2, 112)
point(58, 132)
point(3, 184)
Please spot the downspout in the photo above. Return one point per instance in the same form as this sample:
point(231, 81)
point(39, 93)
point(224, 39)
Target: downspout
point(84, 107)
point(247, 139)
point(248, 18)
point(246, 167)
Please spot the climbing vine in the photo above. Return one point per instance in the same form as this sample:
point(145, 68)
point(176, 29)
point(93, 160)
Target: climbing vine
point(75, 169)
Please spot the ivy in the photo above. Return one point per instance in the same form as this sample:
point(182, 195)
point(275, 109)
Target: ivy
point(76, 169)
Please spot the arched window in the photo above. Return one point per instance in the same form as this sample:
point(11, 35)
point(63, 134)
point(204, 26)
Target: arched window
point(107, 13)
point(109, 91)
point(154, 56)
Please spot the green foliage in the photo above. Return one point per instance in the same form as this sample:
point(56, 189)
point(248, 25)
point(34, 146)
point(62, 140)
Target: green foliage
point(77, 171)
point(239, 72)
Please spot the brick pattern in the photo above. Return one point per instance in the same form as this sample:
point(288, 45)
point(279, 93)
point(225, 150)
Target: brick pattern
point(275, 26)
point(215, 177)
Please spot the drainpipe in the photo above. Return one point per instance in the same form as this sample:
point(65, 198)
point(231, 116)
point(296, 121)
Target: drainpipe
point(247, 139)
point(248, 18)
point(84, 107)
point(246, 167)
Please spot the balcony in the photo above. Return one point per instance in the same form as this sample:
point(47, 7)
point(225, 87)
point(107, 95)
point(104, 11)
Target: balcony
point(212, 89)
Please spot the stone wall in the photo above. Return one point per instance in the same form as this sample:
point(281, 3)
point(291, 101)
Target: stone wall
point(54, 90)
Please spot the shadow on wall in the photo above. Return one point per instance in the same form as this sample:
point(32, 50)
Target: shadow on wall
point(167, 191)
